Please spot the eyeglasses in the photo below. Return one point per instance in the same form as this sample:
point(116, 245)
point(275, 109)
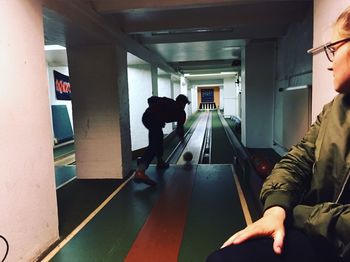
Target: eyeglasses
point(330, 49)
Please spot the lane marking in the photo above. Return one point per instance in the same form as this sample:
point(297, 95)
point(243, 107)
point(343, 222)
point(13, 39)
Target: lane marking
point(246, 213)
point(67, 182)
point(160, 237)
point(86, 221)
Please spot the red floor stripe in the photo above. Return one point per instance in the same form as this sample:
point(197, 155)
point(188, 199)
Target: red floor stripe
point(161, 236)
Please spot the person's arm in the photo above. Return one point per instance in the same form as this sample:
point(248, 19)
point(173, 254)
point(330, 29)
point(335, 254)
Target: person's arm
point(281, 190)
point(180, 131)
point(290, 178)
point(327, 220)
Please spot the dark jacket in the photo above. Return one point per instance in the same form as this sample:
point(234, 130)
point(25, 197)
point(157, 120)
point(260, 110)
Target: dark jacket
point(165, 110)
point(312, 180)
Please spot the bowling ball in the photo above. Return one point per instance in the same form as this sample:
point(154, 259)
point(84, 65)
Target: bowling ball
point(264, 168)
point(188, 156)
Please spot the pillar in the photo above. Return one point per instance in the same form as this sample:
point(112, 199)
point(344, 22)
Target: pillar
point(100, 104)
point(154, 76)
point(28, 216)
point(258, 65)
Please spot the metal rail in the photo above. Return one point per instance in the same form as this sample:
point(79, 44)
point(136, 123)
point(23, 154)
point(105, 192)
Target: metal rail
point(193, 142)
point(206, 149)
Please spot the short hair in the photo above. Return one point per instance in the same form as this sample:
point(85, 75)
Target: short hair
point(182, 99)
point(343, 23)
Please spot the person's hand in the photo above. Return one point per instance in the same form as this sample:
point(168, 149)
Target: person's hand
point(270, 225)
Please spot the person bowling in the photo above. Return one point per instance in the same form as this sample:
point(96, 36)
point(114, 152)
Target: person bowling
point(161, 110)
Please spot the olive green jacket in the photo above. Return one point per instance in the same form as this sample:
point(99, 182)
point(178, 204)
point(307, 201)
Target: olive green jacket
point(312, 181)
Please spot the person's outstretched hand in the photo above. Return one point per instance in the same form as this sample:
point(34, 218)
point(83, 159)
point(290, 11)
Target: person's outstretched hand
point(270, 225)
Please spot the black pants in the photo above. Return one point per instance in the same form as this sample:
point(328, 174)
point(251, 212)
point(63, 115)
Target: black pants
point(155, 139)
point(297, 248)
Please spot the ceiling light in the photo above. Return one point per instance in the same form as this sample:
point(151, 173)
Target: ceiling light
point(211, 74)
point(231, 48)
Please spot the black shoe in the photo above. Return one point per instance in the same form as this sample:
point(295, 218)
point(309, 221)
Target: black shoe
point(140, 177)
point(162, 165)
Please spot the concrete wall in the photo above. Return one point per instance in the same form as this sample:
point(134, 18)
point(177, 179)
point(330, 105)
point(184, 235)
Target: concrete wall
point(177, 89)
point(164, 89)
point(325, 14)
point(140, 89)
point(185, 88)
point(257, 91)
point(230, 97)
point(98, 75)
point(28, 217)
point(221, 107)
point(293, 69)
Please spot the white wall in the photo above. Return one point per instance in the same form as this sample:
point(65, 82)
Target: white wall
point(185, 89)
point(294, 68)
point(325, 14)
point(140, 89)
point(221, 97)
point(230, 97)
point(177, 89)
point(194, 101)
point(164, 89)
point(28, 217)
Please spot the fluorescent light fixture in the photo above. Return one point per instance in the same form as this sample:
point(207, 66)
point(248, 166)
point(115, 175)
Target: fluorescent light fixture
point(290, 88)
point(231, 48)
point(54, 47)
point(211, 74)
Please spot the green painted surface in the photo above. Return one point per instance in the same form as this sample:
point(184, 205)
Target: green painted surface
point(215, 213)
point(109, 236)
point(64, 174)
point(79, 198)
point(64, 150)
point(222, 151)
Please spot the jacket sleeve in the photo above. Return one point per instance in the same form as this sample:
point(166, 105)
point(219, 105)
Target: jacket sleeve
point(326, 220)
point(290, 177)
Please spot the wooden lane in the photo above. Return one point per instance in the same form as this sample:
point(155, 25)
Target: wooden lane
point(191, 211)
point(215, 212)
point(161, 236)
point(110, 234)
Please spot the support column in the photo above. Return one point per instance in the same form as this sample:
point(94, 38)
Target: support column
point(221, 97)
point(164, 89)
point(172, 91)
point(100, 110)
point(185, 89)
point(154, 75)
point(258, 65)
point(230, 97)
point(28, 216)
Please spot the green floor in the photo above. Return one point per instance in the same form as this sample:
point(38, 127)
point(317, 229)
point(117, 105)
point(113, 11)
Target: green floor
point(79, 198)
point(214, 214)
point(113, 239)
